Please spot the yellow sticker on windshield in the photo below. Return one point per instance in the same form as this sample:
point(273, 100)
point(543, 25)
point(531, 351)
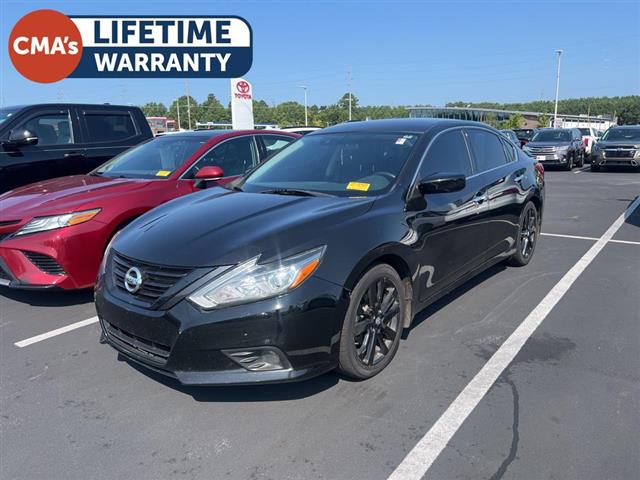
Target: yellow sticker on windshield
point(358, 186)
point(163, 173)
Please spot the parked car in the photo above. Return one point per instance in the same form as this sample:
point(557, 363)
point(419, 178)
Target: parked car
point(322, 255)
point(43, 141)
point(557, 146)
point(589, 138)
point(618, 146)
point(525, 135)
point(300, 130)
point(53, 233)
point(511, 135)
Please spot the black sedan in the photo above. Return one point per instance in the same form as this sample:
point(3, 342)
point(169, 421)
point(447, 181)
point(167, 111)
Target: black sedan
point(321, 256)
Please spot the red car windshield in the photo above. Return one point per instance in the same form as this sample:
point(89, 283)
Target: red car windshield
point(157, 158)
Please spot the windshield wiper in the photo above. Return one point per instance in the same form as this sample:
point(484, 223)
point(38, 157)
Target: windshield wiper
point(297, 192)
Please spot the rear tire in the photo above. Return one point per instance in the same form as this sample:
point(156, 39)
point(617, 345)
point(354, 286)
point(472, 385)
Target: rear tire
point(595, 168)
point(581, 164)
point(527, 236)
point(373, 323)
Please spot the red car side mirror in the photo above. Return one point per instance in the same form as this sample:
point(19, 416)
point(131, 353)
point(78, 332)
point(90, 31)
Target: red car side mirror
point(209, 173)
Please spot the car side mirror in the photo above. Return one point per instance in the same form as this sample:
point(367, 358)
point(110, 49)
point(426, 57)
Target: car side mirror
point(442, 183)
point(19, 137)
point(205, 174)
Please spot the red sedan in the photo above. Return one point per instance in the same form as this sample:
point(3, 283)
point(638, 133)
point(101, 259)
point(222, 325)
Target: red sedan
point(53, 233)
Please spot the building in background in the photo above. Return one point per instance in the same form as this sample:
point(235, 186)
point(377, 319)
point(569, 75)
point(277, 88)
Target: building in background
point(600, 122)
point(161, 125)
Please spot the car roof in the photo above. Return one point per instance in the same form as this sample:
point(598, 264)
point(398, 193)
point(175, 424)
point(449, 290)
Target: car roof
point(404, 125)
point(69, 104)
point(218, 133)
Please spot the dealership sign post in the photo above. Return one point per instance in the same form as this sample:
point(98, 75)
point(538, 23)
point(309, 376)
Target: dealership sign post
point(241, 104)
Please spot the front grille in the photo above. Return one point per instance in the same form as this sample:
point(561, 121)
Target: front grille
point(45, 263)
point(156, 279)
point(153, 352)
point(6, 223)
point(543, 150)
point(619, 152)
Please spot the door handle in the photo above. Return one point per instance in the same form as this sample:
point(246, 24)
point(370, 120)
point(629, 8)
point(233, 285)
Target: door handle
point(74, 155)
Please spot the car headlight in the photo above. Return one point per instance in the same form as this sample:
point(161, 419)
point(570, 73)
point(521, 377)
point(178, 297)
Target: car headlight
point(562, 149)
point(41, 224)
point(251, 281)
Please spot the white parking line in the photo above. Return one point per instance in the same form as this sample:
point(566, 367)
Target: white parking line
point(422, 456)
point(594, 239)
point(56, 332)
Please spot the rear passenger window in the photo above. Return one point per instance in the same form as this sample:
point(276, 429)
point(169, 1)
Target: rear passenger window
point(509, 151)
point(109, 127)
point(448, 153)
point(487, 149)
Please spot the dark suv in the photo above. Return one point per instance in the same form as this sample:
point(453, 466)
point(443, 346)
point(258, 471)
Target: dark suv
point(618, 146)
point(44, 141)
point(557, 146)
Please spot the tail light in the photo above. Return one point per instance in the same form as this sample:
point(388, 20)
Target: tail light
point(540, 169)
point(586, 142)
point(523, 142)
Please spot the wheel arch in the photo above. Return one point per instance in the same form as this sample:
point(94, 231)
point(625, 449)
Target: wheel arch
point(401, 259)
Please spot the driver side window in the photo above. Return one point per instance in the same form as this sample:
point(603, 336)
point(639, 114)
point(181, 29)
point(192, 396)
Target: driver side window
point(234, 156)
point(51, 128)
point(447, 154)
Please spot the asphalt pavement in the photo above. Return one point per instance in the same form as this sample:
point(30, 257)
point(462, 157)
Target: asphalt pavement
point(566, 407)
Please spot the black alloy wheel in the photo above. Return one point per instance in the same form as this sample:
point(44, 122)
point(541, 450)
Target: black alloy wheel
point(373, 324)
point(527, 236)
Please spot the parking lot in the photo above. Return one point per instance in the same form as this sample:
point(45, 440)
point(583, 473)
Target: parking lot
point(565, 407)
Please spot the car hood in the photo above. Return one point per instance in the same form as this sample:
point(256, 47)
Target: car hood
point(222, 227)
point(611, 143)
point(548, 144)
point(62, 195)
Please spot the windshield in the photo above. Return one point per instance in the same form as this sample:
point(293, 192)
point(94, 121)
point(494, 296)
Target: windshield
point(157, 158)
point(585, 131)
point(524, 134)
point(622, 134)
point(343, 164)
point(552, 136)
point(6, 112)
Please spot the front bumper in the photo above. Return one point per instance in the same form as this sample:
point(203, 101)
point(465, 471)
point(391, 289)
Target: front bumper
point(601, 161)
point(68, 258)
point(194, 346)
point(551, 159)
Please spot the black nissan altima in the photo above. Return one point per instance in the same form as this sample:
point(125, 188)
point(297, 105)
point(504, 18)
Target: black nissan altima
point(318, 258)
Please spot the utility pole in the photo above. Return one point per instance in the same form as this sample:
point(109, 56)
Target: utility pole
point(186, 87)
point(306, 116)
point(555, 111)
point(349, 79)
point(178, 107)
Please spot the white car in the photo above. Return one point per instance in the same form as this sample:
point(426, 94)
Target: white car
point(590, 138)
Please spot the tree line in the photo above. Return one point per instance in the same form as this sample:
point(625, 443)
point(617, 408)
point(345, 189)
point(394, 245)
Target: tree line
point(188, 109)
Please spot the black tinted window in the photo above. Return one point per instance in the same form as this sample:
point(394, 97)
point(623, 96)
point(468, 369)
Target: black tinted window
point(109, 127)
point(234, 156)
point(487, 149)
point(448, 153)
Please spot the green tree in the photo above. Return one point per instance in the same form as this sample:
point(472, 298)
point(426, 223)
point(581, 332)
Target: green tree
point(185, 105)
point(211, 110)
point(514, 121)
point(154, 109)
point(543, 120)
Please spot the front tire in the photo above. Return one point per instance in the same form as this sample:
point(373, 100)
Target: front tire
point(527, 236)
point(373, 324)
point(595, 168)
point(569, 166)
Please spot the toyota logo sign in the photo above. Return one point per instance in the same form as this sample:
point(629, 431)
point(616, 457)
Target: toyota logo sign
point(243, 87)
point(133, 280)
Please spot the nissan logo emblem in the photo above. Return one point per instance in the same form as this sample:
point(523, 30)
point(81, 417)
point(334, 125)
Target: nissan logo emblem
point(133, 280)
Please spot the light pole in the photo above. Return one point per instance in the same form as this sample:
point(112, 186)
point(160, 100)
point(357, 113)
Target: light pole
point(555, 111)
point(306, 116)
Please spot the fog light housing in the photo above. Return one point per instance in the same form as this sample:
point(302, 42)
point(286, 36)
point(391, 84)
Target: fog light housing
point(259, 359)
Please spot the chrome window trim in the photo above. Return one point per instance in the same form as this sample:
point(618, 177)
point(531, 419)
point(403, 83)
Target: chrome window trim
point(255, 151)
